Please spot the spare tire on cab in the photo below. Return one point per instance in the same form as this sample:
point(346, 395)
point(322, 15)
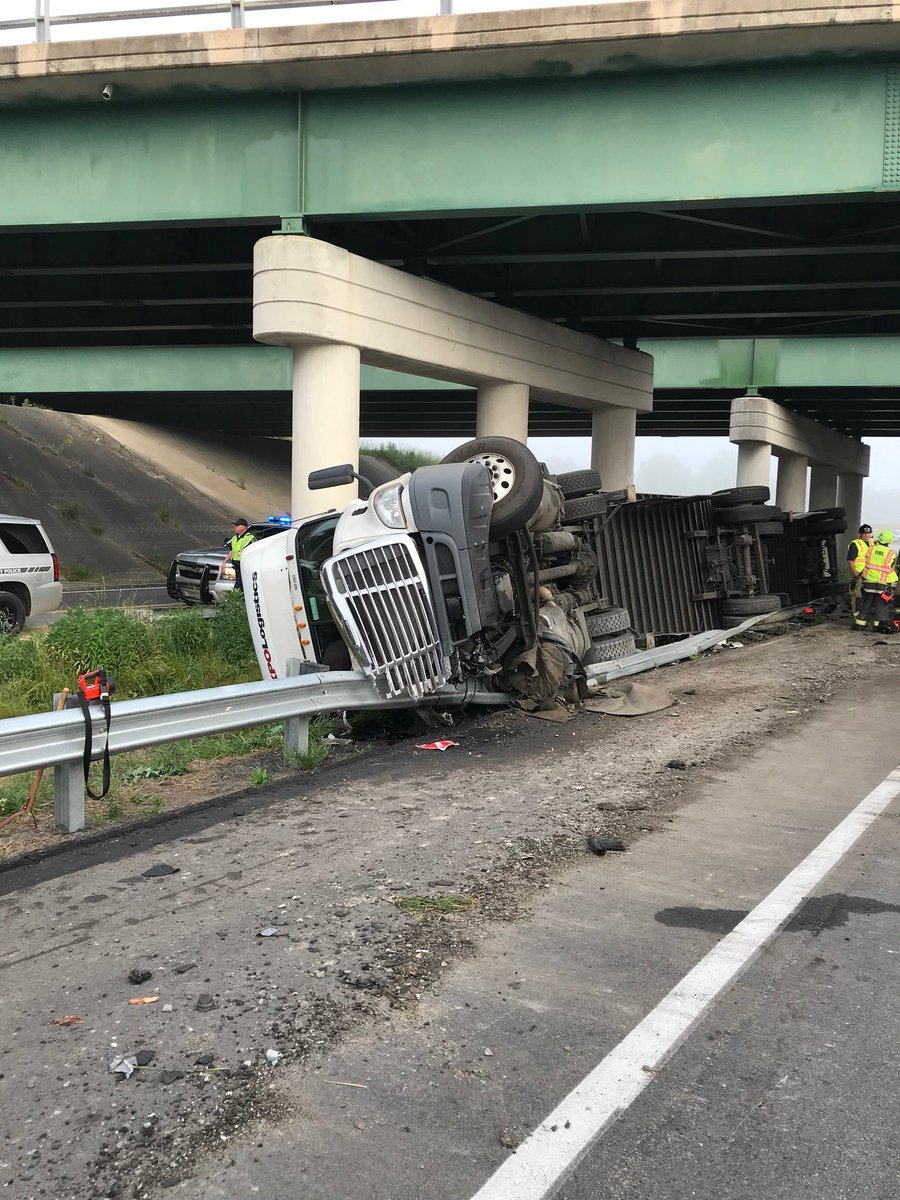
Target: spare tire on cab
point(517, 481)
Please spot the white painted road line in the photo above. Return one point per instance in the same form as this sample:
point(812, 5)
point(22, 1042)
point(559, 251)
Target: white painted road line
point(542, 1162)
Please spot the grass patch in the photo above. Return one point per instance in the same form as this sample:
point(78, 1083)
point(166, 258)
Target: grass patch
point(403, 458)
point(77, 571)
point(425, 906)
point(97, 530)
point(71, 509)
point(183, 652)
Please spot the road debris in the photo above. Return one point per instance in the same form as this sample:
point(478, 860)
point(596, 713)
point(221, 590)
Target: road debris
point(181, 968)
point(69, 1020)
point(205, 1002)
point(630, 699)
point(123, 1064)
point(158, 870)
point(440, 744)
point(508, 1140)
point(143, 1000)
point(676, 764)
point(600, 844)
point(139, 975)
point(272, 1057)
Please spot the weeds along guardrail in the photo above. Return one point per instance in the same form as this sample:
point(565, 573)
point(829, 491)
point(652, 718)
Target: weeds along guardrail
point(56, 739)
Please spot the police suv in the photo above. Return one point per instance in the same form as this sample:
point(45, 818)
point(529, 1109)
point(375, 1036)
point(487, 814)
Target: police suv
point(29, 573)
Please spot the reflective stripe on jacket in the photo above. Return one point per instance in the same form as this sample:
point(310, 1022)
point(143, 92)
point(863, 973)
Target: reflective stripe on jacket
point(879, 566)
point(857, 564)
point(240, 544)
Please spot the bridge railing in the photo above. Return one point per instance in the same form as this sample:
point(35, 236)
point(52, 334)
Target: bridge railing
point(44, 21)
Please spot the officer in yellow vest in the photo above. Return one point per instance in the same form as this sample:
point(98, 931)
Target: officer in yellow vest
point(879, 575)
point(856, 558)
point(239, 543)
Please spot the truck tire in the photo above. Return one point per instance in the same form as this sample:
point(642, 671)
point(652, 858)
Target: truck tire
point(820, 528)
point(12, 614)
point(748, 514)
point(579, 483)
point(727, 498)
point(582, 507)
point(750, 606)
point(611, 648)
point(614, 620)
point(770, 529)
point(826, 514)
point(516, 479)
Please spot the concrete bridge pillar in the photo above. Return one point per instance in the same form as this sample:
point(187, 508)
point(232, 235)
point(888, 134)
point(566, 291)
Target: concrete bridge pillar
point(822, 486)
point(325, 429)
point(754, 464)
point(790, 492)
point(849, 496)
point(612, 446)
point(502, 411)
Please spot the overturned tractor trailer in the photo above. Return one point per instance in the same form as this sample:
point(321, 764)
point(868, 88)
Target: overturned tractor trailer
point(486, 569)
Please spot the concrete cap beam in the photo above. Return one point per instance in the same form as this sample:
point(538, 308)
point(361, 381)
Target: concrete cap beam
point(653, 34)
point(758, 419)
point(306, 291)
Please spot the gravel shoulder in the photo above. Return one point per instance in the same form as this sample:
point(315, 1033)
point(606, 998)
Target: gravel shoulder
point(331, 863)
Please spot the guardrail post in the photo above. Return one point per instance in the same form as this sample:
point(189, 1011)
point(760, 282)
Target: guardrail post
point(296, 729)
point(68, 791)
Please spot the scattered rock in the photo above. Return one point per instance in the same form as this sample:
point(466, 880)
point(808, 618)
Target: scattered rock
point(205, 1060)
point(676, 764)
point(144, 1058)
point(600, 844)
point(181, 968)
point(139, 975)
point(508, 1140)
point(160, 869)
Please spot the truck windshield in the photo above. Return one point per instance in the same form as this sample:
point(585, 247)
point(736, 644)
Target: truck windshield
point(314, 545)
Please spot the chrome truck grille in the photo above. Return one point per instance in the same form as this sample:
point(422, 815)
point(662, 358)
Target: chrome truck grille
point(379, 595)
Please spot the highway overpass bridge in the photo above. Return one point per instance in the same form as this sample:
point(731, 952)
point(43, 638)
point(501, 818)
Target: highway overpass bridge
point(714, 183)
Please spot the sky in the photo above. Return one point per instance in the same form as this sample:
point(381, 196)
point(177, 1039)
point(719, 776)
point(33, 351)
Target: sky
point(678, 465)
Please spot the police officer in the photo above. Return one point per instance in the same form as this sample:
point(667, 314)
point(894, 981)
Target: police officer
point(856, 557)
point(879, 576)
point(239, 543)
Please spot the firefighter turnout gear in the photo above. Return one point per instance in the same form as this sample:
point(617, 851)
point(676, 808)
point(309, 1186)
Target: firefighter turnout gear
point(878, 577)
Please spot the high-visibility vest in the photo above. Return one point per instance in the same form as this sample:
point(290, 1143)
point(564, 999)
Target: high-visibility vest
point(858, 563)
point(240, 544)
point(879, 566)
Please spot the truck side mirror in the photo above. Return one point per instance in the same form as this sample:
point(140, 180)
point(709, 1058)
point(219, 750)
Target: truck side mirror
point(329, 477)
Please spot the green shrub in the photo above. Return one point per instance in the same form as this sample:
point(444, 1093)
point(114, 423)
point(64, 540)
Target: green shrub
point(403, 458)
point(104, 637)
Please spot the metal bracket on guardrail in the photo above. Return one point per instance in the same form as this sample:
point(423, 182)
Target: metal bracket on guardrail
point(68, 785)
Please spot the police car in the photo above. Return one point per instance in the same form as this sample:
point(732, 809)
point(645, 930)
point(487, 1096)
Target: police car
point(199, 577)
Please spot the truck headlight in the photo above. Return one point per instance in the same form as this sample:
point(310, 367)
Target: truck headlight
point(387, 505)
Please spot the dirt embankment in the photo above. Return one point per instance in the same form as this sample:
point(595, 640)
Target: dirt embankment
point(119, 502)
point(333, 864)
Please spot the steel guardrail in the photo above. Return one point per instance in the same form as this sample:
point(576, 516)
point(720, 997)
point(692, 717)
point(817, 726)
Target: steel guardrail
point(56, 739)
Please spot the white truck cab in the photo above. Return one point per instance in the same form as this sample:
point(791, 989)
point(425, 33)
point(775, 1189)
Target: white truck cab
point(29, 573)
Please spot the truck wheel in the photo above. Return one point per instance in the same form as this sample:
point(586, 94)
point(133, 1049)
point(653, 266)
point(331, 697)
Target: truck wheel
point(614, 620)
point(12, 613)
point(611, 648)
point(750, 606)
point(820, 528)
point(579, 483)
point(516, 480)
point(582, 507)
point(748, 514)
point(756, 494)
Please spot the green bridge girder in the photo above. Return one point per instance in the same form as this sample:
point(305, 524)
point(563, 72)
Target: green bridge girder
point(742, 224)
point(846, 383)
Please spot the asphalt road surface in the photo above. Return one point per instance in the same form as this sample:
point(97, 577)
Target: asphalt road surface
point(787, 1086)
point(459, 1057)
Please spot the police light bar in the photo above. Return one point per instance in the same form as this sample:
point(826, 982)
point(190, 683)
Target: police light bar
point(284, 519)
